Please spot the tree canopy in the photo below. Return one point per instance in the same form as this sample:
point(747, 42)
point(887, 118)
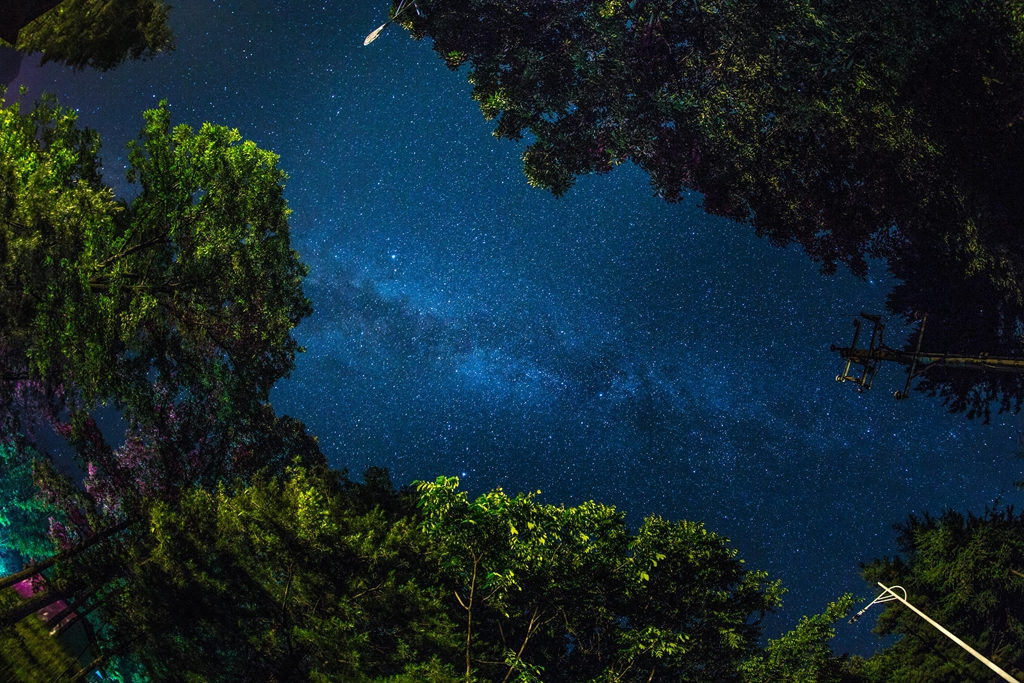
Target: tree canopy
point(887, 129)
point(174, 309)
point(99, 34)
point(569, 591)
point(310, 576)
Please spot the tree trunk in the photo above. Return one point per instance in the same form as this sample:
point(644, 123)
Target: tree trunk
point(469, 614)
point(33, 605)
point(92, 666)
point(72, 603)
point(80, 614)
point(33, 569)
point(17, 14)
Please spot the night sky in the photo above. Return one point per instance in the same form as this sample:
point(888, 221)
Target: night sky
point(606, 345)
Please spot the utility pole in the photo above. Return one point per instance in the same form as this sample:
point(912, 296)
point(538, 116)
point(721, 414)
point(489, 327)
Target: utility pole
point(917, 363)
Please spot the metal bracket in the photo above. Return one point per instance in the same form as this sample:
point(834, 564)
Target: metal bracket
point(867, 361)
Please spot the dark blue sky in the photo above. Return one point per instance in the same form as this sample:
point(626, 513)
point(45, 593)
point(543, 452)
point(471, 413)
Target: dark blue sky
point(606, 345)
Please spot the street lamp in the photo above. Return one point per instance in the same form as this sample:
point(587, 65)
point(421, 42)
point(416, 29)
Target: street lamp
point(376, 32)
point(889, 594)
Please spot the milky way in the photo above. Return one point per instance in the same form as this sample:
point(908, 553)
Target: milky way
point(603, 345)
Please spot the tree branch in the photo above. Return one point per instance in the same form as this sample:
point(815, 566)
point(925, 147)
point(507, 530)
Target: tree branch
point(33, 605)
point(33, 569)
point(162, 239)
point(370, 590)
point(531, 628)
point(469, 612)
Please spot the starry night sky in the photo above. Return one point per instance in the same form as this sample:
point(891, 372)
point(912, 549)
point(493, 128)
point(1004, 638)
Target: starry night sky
point(605, 345)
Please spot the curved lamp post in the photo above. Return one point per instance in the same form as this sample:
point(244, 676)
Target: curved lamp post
point(376, 32)
point(889, 594)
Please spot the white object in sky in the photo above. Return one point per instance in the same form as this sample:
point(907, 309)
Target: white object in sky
point(376, 33)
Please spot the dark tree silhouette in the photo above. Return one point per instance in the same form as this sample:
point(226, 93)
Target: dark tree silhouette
point(889, 129)
point(99, 34)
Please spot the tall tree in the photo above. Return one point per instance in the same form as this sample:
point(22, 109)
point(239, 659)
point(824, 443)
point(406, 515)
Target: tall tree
point(567, 594)
point(887, 129)
point(23, 516)
point(100, 34)
point(176, 309)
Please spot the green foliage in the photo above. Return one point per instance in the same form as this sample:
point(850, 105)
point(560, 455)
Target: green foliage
point(198, 268)
point(100, 34)
point(290, 578)
point(177, 307)
point(966, 573)
point(310, 576)
point(802, 655)
point(208, 244)
point(433, 671)
point(51, 200)
point(567, 594)
point(23, 516)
